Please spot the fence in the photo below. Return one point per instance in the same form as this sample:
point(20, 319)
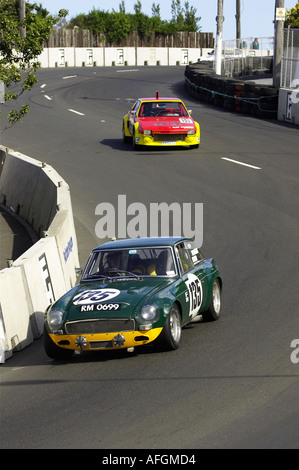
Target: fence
point(242, 57)
point(84, 38)
point(290, 59)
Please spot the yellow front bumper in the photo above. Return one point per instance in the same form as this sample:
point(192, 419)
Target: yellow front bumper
point(91, 342)
point(149, 140)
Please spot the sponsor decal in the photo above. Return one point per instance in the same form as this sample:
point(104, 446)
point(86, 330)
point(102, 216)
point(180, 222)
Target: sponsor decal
point(186, 121)
point(46, 278)
point(68, 249)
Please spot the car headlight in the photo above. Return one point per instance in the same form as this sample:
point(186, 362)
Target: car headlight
point(147, 132)
point(191, 131)
point(54, 319)
point(148, 313)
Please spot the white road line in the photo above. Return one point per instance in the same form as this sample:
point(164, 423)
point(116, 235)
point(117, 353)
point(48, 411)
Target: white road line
point(68, 76)
point(43, 86)
point(48, 97)
point(127, 70)
point(76, 112)
point(241, 163)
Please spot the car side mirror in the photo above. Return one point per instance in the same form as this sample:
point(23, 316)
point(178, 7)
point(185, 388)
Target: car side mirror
point(190, 111)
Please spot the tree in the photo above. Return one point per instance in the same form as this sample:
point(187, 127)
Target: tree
point(190, 18)
point(177, 13)
point(156, 10)
point(184, 19)
point(18, 55)
point(117, 25)
point(292, 17)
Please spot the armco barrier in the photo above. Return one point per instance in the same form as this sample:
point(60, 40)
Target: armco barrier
point(37, 193)
point(242, 96)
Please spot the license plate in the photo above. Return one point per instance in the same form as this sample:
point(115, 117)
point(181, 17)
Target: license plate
point(168, 143)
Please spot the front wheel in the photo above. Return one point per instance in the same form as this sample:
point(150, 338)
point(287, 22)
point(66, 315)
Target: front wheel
point(170, 336)
point(126, 139)
point(213, 312)
point(134, 141)
point(54, 351)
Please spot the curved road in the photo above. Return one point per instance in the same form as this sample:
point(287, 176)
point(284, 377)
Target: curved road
point(231, 384)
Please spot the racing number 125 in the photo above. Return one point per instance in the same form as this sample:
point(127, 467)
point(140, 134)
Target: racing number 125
point(195, 293)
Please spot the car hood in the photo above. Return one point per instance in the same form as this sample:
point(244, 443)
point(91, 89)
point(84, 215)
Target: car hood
point(169, 123)
point(122, 296)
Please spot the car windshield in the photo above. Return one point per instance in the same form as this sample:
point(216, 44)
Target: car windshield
point(130, 262)
point(162, 108)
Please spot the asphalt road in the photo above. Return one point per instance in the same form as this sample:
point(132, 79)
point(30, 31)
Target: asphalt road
point(232, 383)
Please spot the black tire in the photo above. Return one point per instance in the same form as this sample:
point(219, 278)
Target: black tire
point(54, 351)
point(133, 141)
point(126, 139)
point(170, 337)
point(213, 312)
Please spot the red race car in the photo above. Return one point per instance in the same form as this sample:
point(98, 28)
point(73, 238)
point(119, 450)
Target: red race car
point(160, 122)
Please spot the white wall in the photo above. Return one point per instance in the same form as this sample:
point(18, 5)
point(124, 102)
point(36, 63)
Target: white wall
point(110, 56)
point(48, 269)
point(288, 105)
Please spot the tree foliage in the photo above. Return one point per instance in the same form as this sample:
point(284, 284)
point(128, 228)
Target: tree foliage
point(118, 25)
point(292, 17)
point(18, 54)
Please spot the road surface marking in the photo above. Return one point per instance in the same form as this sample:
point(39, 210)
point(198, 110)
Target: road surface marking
point(76, 112)
point(68, 76)
point(48, 97)
point(128, 70)
point(241, 163)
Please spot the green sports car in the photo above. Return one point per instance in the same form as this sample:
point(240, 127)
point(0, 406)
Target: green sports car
point(133, 292)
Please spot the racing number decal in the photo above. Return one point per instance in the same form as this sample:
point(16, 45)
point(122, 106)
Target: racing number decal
point(95, 296)
point(194, 286)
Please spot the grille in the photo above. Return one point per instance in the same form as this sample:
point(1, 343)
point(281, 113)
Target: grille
point(169, 137)
point(99, 326)
point(100, 344)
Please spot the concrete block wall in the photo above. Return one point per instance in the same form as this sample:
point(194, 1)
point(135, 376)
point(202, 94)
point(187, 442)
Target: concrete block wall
point(118, 56)
point(288, 106)
point(48, 269)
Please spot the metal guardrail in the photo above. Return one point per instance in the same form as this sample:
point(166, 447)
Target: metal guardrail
point(246, 56)
point(290, 59)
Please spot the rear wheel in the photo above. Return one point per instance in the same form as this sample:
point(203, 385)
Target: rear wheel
point(213, 312)
point(170, 336)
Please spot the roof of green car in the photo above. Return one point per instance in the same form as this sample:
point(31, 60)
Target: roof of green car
point(140, 242)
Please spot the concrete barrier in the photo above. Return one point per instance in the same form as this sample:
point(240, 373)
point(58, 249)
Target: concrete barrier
point(288, 105)
point(37, 193)
point(118, 56)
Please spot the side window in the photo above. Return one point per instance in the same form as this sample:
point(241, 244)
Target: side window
point(183, 258)
point(194, 253)
point(136, 106)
